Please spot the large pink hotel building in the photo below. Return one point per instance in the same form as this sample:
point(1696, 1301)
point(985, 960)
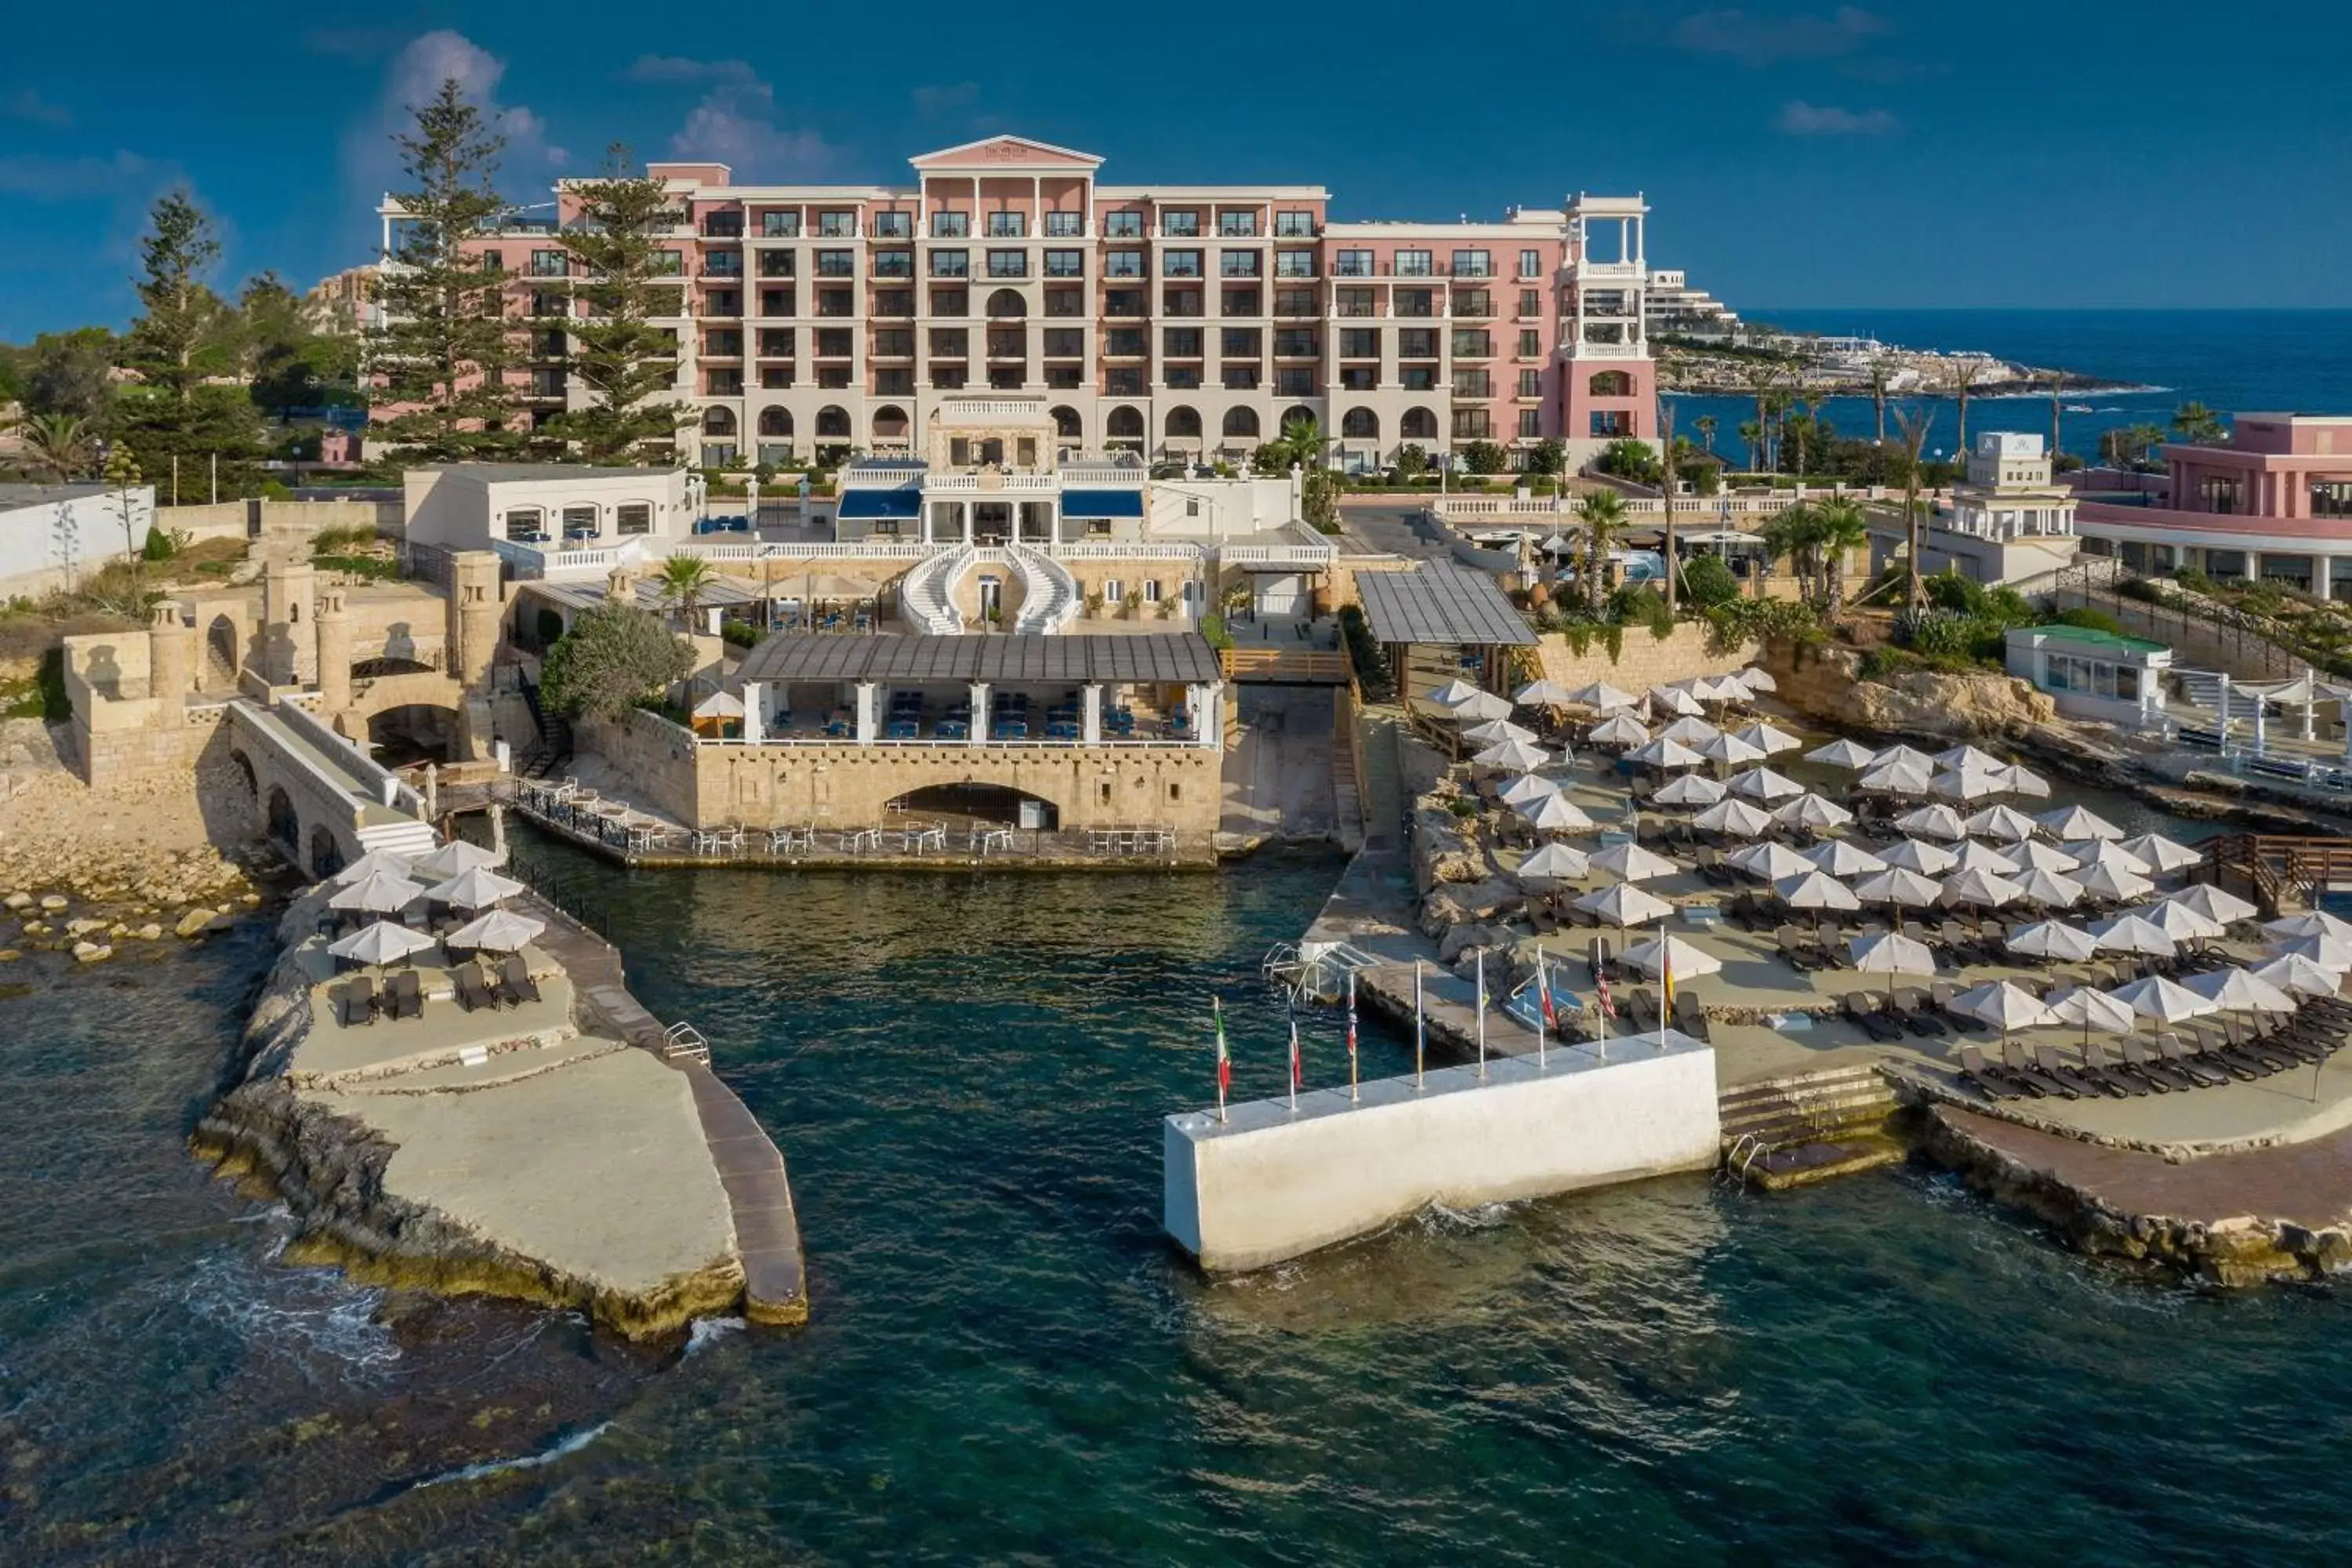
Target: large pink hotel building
point(1177, 320)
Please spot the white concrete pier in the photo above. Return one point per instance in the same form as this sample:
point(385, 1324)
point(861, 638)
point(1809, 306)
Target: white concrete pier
point(1268, 1183)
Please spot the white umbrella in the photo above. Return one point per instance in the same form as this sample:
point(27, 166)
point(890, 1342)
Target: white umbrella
point(1511, 757)
point(1720, 688)
point(1980, 887)
point(1674, 699)
point(2077, 822)
point(1601, 695)
point(457, 854)
point(1664, 753)
point(1933, 822)
point(2215, 903)
point(1767, 739)
point(1629, 862)
point(1898, 885)
point(1840, 859)
point(2004, 824)
point(1768, 861)
point(2300, 976)
point(2004, 1005)
point(2235, 990)
point(2327, 952)
point(719, 705)
point(2049, 889)
point(1690, 732)
point(1624, 905)
point(2314, 922)
point(1765, 784)
point(1731, 750)
point(2032, 855)
point(2166, 1001)
point(2054, 940)
point(1542, 694)
point(373, 863)
point(1842, 753)
point(1555, 863)
point(1651, 957)
point(1480, 706)
point(2024, 781)
point(2090, 852)
point(1494, 732)
point(1756, 679)
point(1969, 784)
point(1452, 694)
point(1890, 953)
point(1904, 756)
point(2093, 1010)
point(1815, 890)
point(2161, 854)
point(382, 893)
point(474, 890)
point(1916, 855)
point(500, 931)
point(1965, 756)
point(380, 942)
point(1893, 778)
point(2133, 933)
point(1528, 787)
point(1618, 730)
point(2178, 921)
point(1972, 856)
point(1733, 816)
point(1689, 789)
point(1554, 814)
point(2112, 882)
point(1812, 811)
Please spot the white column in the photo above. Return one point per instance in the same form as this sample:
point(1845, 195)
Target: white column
point(2225, 711)
point(978, 711)
point(926, 521)
point(1212, 717)
point(869, 730)
point(1090, 731)
point(2323, 577)
point(755, 704)
point(1054, 523)
point(965, 507)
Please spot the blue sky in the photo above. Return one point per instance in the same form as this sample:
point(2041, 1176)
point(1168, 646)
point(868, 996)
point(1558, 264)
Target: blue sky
point(1959, 152)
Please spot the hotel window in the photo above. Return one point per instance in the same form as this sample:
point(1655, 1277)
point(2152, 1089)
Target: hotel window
point(1472, 343)
point(1122, 225)
point(1416, 342)
point(1352, 264)
point(1360, 342)
point(1065, 263)
point(894, 264)
point(950, 263)
point(1530, 422)
point(895, 343)
point(1180, 264)
point(1472, 383)
point(836, 264)
point(1237, 226)
point(1416, 264)
point(1299, 383)
point(1124, 382)
point(632, 517)
point(836, 226)
point(1185, 380)
point(493, 261)
point(1360, 378)
point(894, 382)
point(1296, 345)
point(1113, 591)
point(1064, 226)
point(550, 264)
point(1240, 378)
point(951, 302)
point(1123, 264)
point(726, 345)
point(1419, 379)
point(950, 226)
point(834, 378)
point(833, 343)
point(775, 343)
point(1242, 302)
point(1242, 264)
point(1062, 378)
point(1530, 344)
point(894, 226)
point(1471, 424)
point(1473, 264)
point(1123, 342)
point(1530, 384)
point(1475, 302)
point(1065, 342)
point(1413, 302)
point(1124, 302)
point(2222, 493)
point(1008, 264)
point(1530, 303)
point(775, 301)
point(1294, 264)
point(1181, 343)
point(948, 380)
point(725, 383)
point(839, 302)
point(1530, 263)
point(894, 303)
point(950, 342)
point(723, 226)
point(1295, 302)
point(776, 378)
point(1294, 226)
point(1238, 343)
point(2331, 498)
point(1151, 590)
point(1181, 225)
point(526, 522)
point(722, 302)
point(546, 302)
point(780, 225)
point(1007, 225)
point(776, 263)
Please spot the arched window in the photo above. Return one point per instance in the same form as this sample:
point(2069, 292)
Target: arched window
point(889, 422)
point(1007, 304)
point(832, 420)
point(1124, 424)
point(1359, 423)
point(1067, 424)
point(1241, 422)
point(1611, 383)
point(718, 421)
point(1418, 425)
point(775, 421)
point(1184, 424)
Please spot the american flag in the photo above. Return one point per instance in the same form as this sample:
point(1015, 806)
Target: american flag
point(1608, 1008)
point(1543, 997)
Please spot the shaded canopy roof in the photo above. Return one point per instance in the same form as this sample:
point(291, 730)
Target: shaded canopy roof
point(1441, 604)
point(1182, 657)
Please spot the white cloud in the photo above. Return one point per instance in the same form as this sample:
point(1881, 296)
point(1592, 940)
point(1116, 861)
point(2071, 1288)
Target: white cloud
point(667, 68)
point(1798, 118)
point(28, 104)
point(735, 125)
point(371, 161)
point(1767, 40)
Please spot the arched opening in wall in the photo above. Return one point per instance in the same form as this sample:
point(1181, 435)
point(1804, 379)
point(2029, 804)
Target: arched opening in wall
point(220, 649)
point(284, 826)
point(373, 668)
point(1359, 425)
point(326, 855)
point(1124, 428)
point(1183, 424)
point(986, 804)
point(1241, 424)
point(833, 422)
point(890, 423)
point(1295, 414)
point(1068, 426)
point(1418, 425)
point(540, 628)
point(243, 766)
point(1007, 305)
point(775, 421)
point(1611, 383)
point(718, 421)
point(412, 734)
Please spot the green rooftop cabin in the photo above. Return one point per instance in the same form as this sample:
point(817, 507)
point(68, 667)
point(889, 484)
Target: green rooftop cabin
point(2094, 674)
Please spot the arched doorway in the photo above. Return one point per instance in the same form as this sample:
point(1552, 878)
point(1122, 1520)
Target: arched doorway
point(245, 771)
point(326, 855)
point(220, 646)
point(1183, 424)
point(774, 420)
point(1124, 428)
point(285, 825)
point(1359, 425)
point(1418, 425)
point(1007, 305)
point(984, 804)
point(718, 421)
point(415, 732)
point(389, 664)
point(1068, 426)
point(890, 423)
point(1241, 425)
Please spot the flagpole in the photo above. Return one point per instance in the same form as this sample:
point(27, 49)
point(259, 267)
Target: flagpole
point(1543, 1006)
point(1420, 1030)
point(1666, 967)
point(1352, 1037)
point(1294, 1064)
point(1224, 1062)
point(1482, 1012)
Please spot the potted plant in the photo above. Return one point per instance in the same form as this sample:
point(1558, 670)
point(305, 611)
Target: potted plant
point(1094, 605)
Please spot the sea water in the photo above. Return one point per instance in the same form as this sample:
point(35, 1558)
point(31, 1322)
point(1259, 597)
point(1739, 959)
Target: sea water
point(1005, 1360)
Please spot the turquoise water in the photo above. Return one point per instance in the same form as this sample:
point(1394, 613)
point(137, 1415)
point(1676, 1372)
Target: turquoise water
point(1006, 1362)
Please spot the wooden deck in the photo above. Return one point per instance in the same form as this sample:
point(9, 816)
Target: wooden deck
point(1274, 665)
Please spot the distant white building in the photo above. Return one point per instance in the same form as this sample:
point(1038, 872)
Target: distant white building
point(1672, 305)
point(2010, 491)
point(50, 534)
point(552, 518)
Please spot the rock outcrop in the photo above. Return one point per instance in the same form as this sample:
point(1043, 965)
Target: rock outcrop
point(1827, 685)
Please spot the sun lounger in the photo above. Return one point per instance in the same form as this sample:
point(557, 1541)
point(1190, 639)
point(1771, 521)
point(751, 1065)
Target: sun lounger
point(2013, 1057)
point(514, 974)
point(2171, 1051)
point(1864, 1013)
point(472, 993)
point(2156, 1075)
point(2045, 1056)
point(1992, 1082)
point(1642, 1010)
point(2096, 1063)
point(1911, 1008)
point(356, 1003)
point(1689, 1016)
point(1800, 949)
point(405, 991)
point(1940, 993)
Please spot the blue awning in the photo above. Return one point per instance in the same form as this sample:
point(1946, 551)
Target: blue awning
point(1102, 503)
point(870, 504)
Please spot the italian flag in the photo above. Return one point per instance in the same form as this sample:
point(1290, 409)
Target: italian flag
point(1225, 1057)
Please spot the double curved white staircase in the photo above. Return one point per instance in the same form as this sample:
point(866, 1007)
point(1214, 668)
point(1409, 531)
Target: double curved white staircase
point(1049, 594)
point(926, 596)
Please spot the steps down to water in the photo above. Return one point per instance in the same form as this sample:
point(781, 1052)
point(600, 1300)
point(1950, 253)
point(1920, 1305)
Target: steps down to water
point(1788, 1132)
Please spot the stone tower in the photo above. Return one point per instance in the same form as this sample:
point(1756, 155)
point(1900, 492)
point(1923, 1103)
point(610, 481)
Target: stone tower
point(334, 641)
point(289, 654)
point(473, 609)
point(170, 654)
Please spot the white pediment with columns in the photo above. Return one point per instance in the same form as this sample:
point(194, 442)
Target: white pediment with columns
point(1012, 154)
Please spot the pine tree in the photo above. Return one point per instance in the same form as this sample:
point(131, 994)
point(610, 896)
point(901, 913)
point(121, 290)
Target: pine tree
point(441, 355)
point(182, 335)
point(623, 361)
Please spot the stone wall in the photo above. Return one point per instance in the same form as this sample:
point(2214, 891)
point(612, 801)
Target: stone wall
point(1642, 660)
point(653, 759)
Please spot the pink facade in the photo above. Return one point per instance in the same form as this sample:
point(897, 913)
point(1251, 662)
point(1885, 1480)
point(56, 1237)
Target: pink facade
point(2275, 465)
point(1185, 321)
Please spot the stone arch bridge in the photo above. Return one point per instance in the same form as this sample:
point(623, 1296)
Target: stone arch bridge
point(323, 802)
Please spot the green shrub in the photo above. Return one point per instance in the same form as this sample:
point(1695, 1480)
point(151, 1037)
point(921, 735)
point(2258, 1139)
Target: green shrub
point(1660, 617)
point(1364, 654)
point(739, 633)
point(2090, 620)
point(1612, 639)
point(2194, 580)
point(1579, 637)
point(1462, 806)
point(1707, 582)
point(2140, 588)
point(160, 545)
point(1212, 628)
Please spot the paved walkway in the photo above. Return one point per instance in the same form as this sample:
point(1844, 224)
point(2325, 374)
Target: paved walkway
point(2307, 1183)
point(1277, 775)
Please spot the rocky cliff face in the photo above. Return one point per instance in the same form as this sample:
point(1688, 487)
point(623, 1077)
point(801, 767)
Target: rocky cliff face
point(1828, 686)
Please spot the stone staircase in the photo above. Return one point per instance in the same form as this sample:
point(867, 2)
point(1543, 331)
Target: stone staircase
point(1791, 1131)
point(1049, 594)
point(926, 596)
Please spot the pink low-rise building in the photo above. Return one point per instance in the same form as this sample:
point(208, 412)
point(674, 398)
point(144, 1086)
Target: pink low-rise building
point(2273, 500)
point(1178, 320)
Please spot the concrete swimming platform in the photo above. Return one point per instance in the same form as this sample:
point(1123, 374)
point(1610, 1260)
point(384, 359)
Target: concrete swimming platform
point(1266, 1182)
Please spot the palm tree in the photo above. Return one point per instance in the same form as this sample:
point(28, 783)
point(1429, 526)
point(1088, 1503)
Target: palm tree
point(1965, 376)
point(1603, 513)
point(1842, 527)
point(682, 580)
point(64, 444)
point(1667, 456)
point(1752, 433)
point(1761, 380)
point(1793, 532)
point(1913, 423)
point(1705, 425)
point(2196, 423)
point(1878, 376)
point(2057, 391)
